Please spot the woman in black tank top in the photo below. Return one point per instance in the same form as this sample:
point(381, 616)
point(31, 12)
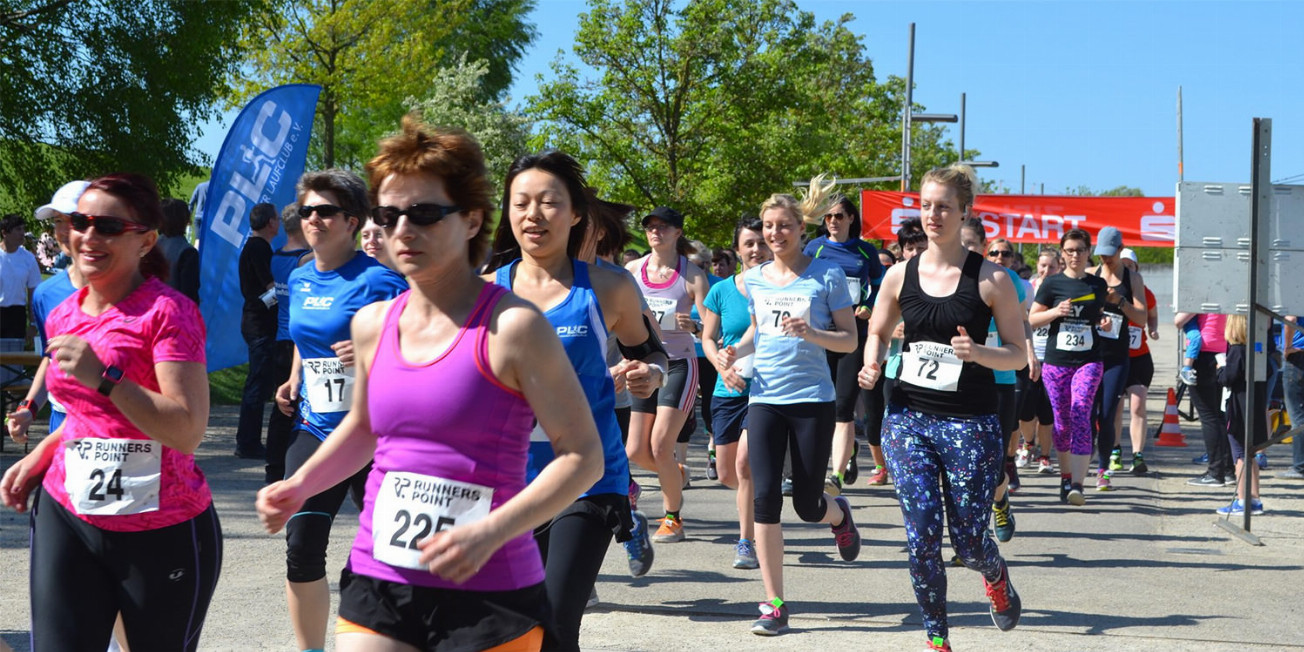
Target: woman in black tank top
point(941, 416)
point(1124, 304)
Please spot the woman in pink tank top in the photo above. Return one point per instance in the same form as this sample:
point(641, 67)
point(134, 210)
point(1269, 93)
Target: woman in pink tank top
point(451, 376)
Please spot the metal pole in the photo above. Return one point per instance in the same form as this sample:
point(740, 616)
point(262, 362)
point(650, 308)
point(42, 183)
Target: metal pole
point(961, 127)
point(1180, 172)
point(905, 115)
point(1023, 169)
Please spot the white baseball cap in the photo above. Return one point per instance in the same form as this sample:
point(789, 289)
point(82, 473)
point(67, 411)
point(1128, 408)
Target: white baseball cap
point(1128, 254)
point(64, 200)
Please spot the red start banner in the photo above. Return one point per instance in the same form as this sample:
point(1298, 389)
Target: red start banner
point(1144, 221)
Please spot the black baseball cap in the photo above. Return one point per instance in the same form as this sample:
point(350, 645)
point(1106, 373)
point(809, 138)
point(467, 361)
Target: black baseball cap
point(666, 214)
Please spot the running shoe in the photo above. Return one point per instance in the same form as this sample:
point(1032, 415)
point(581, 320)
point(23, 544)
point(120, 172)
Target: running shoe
point(1012, 477)
point(879, 476)
point(1238, 507)
point(1003, 518)
point(852, 471)
point(683, 474)
point(1021, 457)
point(832, 485)
point(1075, 495)
point(846, 535)
point(1066, 485)
point(1187, 375)
point(711, 472)
point(745, 556)
point(938, 643)
point(1044, 466)
point(1102, 480)
point(956, 561)
point(1139, 465)
point(773, 620)
point(1202, 458)
point(1006, 605)
point(1116, 459)
point(1206, 480)
point(671, 531)
point(593, 599)
point(786, 487)
point(1262, 460)
point(639, 547)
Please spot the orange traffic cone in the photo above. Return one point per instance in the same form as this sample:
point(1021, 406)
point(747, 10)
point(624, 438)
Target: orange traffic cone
point(1170, 433)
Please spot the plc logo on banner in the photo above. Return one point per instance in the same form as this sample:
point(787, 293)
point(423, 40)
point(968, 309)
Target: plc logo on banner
point(266, 155)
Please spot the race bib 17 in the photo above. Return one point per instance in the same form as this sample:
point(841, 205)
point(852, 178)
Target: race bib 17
point(328, 384)
point(664, 310)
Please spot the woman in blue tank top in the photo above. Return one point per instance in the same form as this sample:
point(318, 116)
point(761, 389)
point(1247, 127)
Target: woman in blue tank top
point(444, 559)
point(942, 417)
point(547, 210)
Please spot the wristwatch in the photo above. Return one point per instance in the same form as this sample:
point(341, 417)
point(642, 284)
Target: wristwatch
point(26, 404)
point(109, 379)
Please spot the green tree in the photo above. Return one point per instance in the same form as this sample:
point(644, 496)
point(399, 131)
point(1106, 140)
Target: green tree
point(710, 106)
point(370, 55)
point(105, 85)
point(455, 101)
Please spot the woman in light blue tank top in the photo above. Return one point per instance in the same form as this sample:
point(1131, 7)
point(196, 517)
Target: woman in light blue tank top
point(547, 210)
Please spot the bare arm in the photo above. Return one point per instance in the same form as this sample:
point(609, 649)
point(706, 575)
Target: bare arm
point(999, 291)
point(882, 321)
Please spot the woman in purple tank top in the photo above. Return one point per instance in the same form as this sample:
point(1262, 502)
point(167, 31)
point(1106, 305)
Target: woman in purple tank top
point(452, 375)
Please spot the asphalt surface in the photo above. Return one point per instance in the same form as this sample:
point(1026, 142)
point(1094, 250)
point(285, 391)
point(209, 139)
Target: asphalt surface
point(1138, 568)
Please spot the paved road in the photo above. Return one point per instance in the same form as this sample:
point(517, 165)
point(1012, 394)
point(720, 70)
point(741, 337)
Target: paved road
point(1140, 568)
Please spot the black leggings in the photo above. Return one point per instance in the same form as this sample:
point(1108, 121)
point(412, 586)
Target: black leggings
point(806, 431)
point(844, 367)
point(308, 532)
point(875, 408)
point(162, 581)
point(706, 375)
point(572, 545)
point(1207, 398)
point(1113, 384)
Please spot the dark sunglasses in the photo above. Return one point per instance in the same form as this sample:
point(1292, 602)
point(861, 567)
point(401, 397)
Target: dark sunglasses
point(104, 224)
point(323, 210)
point(837, 216)
point(1003, 253)
point(419, 214)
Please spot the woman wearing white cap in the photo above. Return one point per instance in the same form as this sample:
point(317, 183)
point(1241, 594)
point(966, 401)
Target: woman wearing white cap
point(1140, 373)
point(1125, 305)
point(50, 293)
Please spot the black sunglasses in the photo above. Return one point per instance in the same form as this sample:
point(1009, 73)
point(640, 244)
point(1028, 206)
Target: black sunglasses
point(324, 210)
point(419, 214)
point(104, 224)
point(1000, 252)
point(837, 216)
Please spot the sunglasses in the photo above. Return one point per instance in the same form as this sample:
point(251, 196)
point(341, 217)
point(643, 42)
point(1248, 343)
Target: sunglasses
point(836, 216)
point(1003, 253)
point(419, 214)
point(104, 224)
point(1074, 251)
point(322, 210)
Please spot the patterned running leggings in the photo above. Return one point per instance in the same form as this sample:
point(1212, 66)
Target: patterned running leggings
point(967, 455)
point(1072, 393)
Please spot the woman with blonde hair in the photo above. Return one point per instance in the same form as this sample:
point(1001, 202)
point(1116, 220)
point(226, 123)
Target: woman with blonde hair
point(942, 434)
point(800, 309)
point(1232, 376)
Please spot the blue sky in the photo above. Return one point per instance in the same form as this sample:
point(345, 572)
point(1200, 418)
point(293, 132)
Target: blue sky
point(1081, 93)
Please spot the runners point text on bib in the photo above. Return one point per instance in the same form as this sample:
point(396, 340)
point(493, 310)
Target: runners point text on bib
point(412, 506)
point(113, 477)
